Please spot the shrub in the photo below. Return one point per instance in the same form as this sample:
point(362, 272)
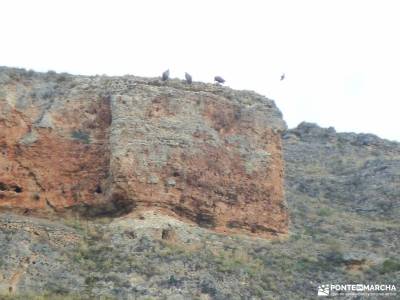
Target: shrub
point(390, 265)
point(324, 212)
point(236, 261)
point(81, 136)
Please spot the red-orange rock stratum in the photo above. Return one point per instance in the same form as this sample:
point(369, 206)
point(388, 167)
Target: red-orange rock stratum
point(110, 145)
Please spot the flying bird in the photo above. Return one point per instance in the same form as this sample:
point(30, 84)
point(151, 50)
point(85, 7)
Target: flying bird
point(282, 76)
point(165, 75)
point(219, 79)
point(188, 78)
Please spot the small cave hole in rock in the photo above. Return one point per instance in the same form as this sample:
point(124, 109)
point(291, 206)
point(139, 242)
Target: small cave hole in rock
point(167, 234)
point(131, 234)
point(116, 206)
point(98, 190)
point(5, 187)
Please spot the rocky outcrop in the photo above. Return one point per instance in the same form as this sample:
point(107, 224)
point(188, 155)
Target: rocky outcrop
point(359, 173)
point(53, 140)
point(157, 256)
point(109, 145)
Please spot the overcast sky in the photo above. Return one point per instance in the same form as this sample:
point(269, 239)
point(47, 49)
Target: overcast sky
point(341, 58)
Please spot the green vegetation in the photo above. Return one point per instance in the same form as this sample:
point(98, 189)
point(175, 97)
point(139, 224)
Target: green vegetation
point(221, 266)
point(325, 212)
point(82, 136)
point(237, 261)
point(49, 296)
point(390, 265)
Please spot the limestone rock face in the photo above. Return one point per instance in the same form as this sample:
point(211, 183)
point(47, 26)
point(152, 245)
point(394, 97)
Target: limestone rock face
point(109, 145)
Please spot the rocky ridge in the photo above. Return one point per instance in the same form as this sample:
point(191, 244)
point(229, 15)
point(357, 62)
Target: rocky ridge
point(358, 172)
point(342, 192)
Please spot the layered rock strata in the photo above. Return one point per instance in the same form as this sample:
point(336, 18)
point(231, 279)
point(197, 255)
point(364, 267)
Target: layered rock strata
point(109, 145)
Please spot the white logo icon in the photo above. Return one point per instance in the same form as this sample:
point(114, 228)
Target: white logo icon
point(323, 290)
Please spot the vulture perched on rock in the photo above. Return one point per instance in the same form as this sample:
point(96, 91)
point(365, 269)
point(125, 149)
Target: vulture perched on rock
point(219, 79)
point(165, 75)
point(188, 78)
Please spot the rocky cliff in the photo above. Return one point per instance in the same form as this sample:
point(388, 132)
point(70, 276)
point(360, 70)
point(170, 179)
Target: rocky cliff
point(343, 196)
point(101, 145)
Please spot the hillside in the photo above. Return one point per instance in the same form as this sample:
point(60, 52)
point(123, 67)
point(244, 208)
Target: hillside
point(342, 196)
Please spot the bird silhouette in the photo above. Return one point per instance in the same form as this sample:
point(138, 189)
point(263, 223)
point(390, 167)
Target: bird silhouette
point(165, 75)
point(282, 76)
point(188, 78)
point(219, 79)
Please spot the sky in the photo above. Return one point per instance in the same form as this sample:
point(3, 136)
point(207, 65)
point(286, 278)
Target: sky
point(341, 58)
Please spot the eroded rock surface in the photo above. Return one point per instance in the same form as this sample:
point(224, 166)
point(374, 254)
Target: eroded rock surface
point(108, 145)
point(360, 173)
point(333, 237)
